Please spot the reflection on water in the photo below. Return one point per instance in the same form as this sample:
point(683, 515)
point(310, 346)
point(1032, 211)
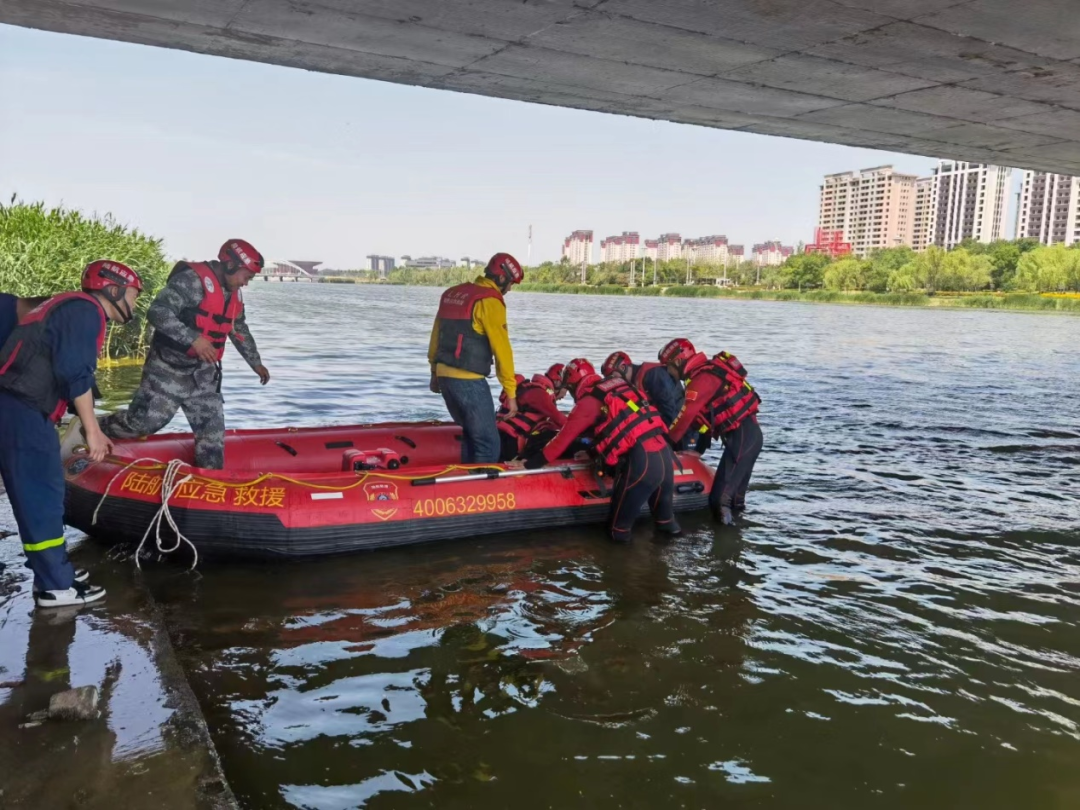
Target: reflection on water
point(894, 624)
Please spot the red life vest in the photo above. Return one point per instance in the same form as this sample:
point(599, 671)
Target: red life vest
point(526, 421)
point(628, 418)
point(26, 370)
point(461, 346)
point(213, 318)
point(734, 400)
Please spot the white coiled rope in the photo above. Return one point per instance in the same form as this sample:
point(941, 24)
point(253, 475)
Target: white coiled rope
point(169, 485)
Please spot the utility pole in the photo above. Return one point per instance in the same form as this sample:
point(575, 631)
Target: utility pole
point(654, 267)
point(687, 269)
point(528, 256)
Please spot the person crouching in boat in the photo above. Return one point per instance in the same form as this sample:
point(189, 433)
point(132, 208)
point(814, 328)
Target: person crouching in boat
point(652, 379)
point(536, 421)
point(629, 436)
point(48, 356)
point(720, 402)
point(199, 307)
point(554, 375)
point(468, 335)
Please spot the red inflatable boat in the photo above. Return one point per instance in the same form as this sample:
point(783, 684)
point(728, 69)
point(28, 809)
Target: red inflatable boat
point(302, 492)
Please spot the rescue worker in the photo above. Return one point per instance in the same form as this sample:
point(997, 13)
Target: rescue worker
point(199, 307)
point(653, 379)
point(469, 334)
point(554, 375)
point(47, 360)
point(629, 436)
point(537, 420)
point(720, 402)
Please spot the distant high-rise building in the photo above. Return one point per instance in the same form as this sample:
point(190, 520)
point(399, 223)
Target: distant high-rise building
point(967, 201)
point(577, 248)
point(923, 229)
point(651, 246)
point(771, 254)
point(429, 263)
point(669, 246)
point(874, 208)
point(618, 249)
point(707, 250)
point(382, 265)
point(1050, 208)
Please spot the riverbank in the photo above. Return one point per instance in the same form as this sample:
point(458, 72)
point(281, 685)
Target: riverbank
point(1019, 302)
point(149, 746)
point(1016, 302)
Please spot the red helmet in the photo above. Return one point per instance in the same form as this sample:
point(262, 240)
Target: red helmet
point(677, 351)
point(504, 269)
point(576, 371)
point(105, 273)
point(240, 255)
point(555, 374)
point(616, 362)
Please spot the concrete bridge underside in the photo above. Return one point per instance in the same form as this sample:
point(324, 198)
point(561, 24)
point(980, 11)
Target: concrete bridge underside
point(983, 80)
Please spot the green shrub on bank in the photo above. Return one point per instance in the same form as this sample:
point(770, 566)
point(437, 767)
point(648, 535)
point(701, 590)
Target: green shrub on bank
point(43, 252)
point(1022, 301)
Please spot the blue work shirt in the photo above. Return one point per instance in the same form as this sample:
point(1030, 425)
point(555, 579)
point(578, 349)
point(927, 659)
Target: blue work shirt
point(71, 333)
point(9, 315)
point(664, 392)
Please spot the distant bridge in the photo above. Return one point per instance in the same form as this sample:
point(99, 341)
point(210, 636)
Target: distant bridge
point(291, 270)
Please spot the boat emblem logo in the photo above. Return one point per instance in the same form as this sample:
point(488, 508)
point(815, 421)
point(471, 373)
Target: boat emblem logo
point(381, 491)
point(209, 285)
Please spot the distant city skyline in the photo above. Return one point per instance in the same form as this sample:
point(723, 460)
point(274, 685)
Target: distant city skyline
point(196, 149)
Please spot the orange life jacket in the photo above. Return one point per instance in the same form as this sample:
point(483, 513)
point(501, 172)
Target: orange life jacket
point(628, 418)
point(734, 400)
point(213, 317)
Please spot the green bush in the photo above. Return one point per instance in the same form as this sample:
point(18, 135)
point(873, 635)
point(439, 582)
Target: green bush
point(43, 252)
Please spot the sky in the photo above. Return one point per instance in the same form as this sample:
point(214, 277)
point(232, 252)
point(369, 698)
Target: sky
point(197, 149)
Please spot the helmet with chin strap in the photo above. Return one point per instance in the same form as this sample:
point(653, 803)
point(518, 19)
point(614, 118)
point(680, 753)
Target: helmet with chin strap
point(112, 279)
point(504, 270)
point(677, 352)
point(236, 254)
point(616, 362)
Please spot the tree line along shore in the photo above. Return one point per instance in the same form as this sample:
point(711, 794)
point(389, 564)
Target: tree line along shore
point(43, 251)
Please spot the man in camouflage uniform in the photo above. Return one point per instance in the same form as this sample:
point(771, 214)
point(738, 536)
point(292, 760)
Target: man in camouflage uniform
point(199, 306)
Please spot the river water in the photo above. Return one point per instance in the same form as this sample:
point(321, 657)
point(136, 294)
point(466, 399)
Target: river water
point(895, 623)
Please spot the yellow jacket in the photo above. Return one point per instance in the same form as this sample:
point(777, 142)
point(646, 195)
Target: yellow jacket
point(489, 318)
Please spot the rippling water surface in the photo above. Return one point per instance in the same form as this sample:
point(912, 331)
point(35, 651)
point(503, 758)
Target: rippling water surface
point(893, 625)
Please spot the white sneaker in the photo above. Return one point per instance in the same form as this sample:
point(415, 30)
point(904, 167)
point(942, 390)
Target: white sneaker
point(79, 594)
point(81, 575)
point(72, 438)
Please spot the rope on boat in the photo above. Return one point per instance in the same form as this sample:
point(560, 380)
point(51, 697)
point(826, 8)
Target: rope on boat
point(155, 465)
point(169, 485)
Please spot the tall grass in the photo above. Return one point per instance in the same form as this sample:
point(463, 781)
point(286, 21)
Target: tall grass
point(43, 252)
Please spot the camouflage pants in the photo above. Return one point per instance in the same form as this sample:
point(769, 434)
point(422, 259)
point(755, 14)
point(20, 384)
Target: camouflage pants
point(164, 390)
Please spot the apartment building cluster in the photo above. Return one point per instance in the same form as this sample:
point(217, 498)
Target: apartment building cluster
point(714, 250)
point(1050, 208)
point(882, 208)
